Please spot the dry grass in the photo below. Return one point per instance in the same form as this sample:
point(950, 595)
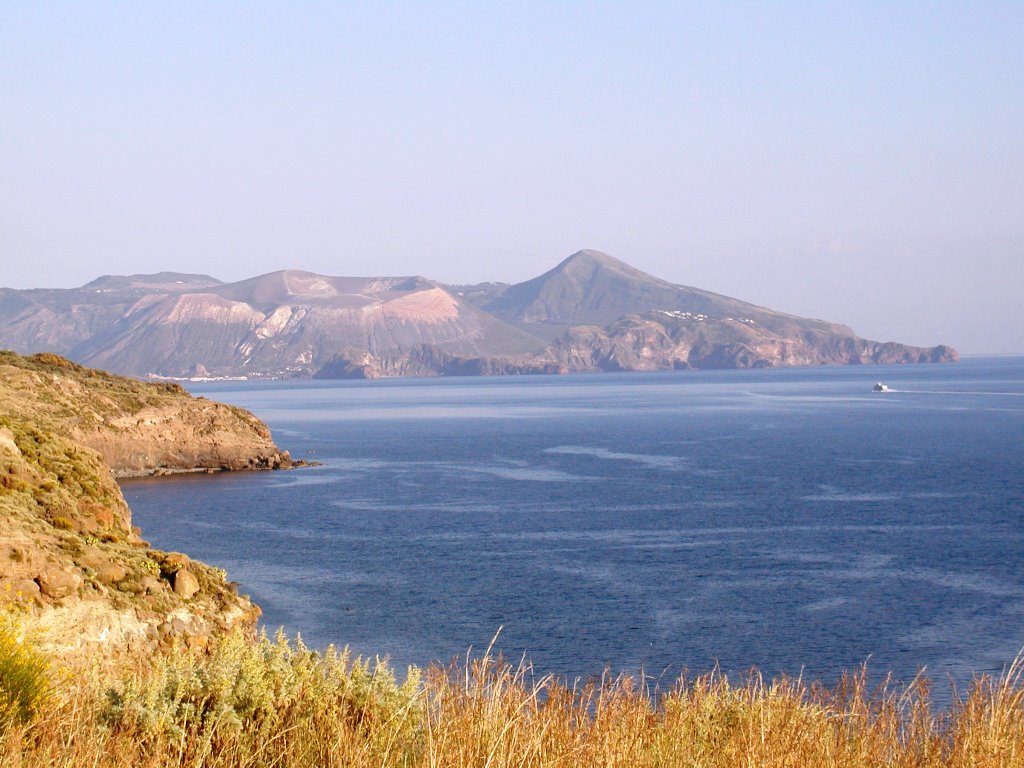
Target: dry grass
point(275, 703)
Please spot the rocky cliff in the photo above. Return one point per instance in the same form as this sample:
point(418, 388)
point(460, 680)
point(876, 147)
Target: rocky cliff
point(69, 555)
point(585, 314)
point(137, 428)
point(673, 340)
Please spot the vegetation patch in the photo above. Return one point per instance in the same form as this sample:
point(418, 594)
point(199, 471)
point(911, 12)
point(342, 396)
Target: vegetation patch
point(24, 675)
point(256, 701)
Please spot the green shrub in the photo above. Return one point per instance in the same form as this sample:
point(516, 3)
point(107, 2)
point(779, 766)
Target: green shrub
point(263, 686)
point(24, 675)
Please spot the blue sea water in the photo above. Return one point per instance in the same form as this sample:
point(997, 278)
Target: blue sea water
point(791, 520)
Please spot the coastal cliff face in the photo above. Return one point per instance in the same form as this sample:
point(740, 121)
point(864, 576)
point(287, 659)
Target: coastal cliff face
point(591, 312)
point(137, 428)
point(662, 340)
point(69, 556)
point(672, 340)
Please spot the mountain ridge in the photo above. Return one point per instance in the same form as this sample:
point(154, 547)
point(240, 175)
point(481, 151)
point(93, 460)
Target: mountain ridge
point(591, 312)
point(156, 280)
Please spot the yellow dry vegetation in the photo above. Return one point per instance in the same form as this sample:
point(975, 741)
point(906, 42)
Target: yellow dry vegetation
point(271, 702)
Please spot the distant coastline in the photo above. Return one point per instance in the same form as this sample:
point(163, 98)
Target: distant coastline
point(591, 313)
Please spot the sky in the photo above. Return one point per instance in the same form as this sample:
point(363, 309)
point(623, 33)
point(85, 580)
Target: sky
point(860, 162)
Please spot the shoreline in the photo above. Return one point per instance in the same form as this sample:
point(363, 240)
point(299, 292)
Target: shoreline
point(142, 474)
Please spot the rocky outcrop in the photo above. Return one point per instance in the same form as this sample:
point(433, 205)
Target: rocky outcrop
point(85, 579)
point(69, 555)
point(137, 428)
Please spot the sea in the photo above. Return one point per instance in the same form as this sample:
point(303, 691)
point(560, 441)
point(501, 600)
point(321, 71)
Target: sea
point(788, 520)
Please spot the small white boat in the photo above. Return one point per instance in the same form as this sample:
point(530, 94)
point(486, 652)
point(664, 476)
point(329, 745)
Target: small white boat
point(880, 387)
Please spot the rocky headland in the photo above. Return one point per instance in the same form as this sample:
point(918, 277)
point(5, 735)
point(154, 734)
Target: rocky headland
point(69, 555)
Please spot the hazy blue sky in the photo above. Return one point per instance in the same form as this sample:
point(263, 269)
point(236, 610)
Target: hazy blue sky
point(861, 162)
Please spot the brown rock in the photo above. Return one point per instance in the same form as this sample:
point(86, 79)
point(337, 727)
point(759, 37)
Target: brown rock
point(57, 583)
point(111, 573)
point(174, 561)
point(92, 557)
point(131, 586)
point(185, 584)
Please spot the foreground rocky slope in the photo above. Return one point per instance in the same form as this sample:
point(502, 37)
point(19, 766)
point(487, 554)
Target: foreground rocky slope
point(590, 313)
point(68, 551)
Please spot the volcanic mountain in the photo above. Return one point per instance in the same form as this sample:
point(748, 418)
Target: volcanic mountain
point(592, 288)
point(592, 312)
